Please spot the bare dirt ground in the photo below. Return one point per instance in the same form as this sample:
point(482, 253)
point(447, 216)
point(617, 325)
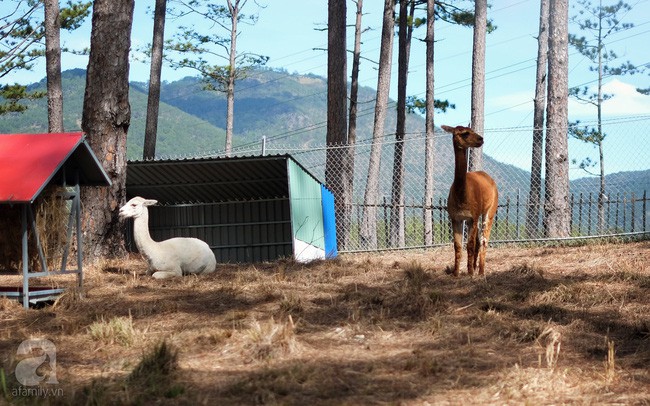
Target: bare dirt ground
point(547, 325)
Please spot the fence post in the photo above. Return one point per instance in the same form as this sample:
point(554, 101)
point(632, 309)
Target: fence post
point(644, 210)
point(580, 215)
point(624, 210)
point(632, 214)
point(517, 222)
point(386, 225)
point(496, 223)
point(618, 201)
point(609, 216)
point(571, 209)
point(591, 199)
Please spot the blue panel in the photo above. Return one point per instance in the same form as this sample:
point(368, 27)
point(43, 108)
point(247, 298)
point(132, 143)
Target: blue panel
point(329, 223)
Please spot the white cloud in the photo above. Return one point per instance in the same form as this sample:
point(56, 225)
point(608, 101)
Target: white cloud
point(625, 100)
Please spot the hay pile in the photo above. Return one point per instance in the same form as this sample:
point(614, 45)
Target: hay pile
point(52, 214)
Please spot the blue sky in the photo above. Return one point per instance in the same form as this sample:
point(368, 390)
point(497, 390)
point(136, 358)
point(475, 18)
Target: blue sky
point(290, 33)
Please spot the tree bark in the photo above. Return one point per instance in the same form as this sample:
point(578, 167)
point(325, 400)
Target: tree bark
point(429, 126)
point(230, 88)
point(153, 103)
point(105, 120)
point(478, 81)
point(337, 176)
point(368, 231)
point(53, 66)
point(556, 206)
point(539, 104)
point(396, 232)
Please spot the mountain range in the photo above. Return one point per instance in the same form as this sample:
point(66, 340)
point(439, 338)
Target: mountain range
point(286, 109)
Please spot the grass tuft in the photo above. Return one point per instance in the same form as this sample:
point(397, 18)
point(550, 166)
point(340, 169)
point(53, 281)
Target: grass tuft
point(155, 374)
point(269, 339)
point(116, 330)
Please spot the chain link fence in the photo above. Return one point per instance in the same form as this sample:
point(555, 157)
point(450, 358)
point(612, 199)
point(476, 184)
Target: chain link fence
point(401, 216)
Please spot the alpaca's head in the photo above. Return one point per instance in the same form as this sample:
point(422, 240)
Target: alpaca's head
point(135, 207)
point(464, 137)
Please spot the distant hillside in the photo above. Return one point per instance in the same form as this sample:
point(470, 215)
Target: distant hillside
point(637, 182)
point(179, 134)
point(288, 109)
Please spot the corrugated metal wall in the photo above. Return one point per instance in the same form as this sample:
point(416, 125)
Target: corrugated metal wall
point(236, 231)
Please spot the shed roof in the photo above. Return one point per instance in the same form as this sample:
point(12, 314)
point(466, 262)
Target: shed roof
point(208, 180)
point(29, 162)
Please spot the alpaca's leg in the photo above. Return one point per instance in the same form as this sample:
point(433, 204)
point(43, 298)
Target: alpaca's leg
point(485, 239)
point(166, 274)
point(477, 247)
point(458, 245)
point(472, 246)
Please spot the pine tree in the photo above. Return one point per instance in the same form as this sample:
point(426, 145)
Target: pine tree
point(105, 120)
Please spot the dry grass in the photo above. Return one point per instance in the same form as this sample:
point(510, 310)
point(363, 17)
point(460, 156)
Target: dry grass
point(51, 216)
point(547, 325)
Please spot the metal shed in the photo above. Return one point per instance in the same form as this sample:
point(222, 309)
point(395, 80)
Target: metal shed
point(248, 209)
point(28, 164)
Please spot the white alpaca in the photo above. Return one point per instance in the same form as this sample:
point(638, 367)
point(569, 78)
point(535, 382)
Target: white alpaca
point(169, 258)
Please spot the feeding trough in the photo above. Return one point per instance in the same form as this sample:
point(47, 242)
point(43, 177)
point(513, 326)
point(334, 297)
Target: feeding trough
point(35, 168)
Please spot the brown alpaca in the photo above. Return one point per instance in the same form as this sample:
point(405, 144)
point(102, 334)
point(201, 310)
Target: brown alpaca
point(472, 196)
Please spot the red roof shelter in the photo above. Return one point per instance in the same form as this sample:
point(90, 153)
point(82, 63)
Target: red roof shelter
point(28, 164)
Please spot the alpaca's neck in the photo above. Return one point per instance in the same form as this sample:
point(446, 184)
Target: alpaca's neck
point(460, 171)
point(143, 239)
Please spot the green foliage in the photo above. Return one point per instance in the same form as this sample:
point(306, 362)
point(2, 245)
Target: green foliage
point(414, 103)
point(13, 95)
point(74, 14)
point(22, 43)
point(454, 14)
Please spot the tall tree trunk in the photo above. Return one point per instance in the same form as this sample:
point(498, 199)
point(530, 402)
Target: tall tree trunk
point(337, 176)
point(556, 206)
point(230, 88)
point(396, 231)
point(429, 126)
point(368, 231)
point(153, 102)
point(478, 81)
point(539, 104)
point(105, 120)
point(348, 164)
point(53, 66)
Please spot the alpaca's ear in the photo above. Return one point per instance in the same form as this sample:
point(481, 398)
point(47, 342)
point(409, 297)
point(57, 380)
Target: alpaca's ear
point(447, 128)
point(149, 202)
